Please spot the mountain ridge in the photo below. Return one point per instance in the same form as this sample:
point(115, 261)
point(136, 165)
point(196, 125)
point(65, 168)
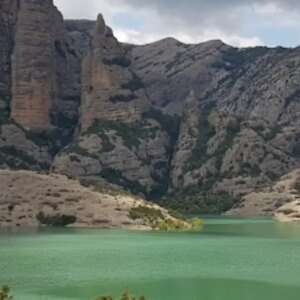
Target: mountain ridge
point(194, 126)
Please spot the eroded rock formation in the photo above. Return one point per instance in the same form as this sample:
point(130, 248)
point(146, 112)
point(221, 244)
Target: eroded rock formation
point(190, 121)
point(110, 89)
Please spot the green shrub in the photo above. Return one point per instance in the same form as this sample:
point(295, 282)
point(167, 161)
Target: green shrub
point(55, 139)
point(145, 213)
point(116, 177)
point(4, 293)
point(125, 296)
point(170, 124)
point(4, 115)
point(195, 200)
point(119, 61)
point(18, 159)
point(55, 220)
point(105, 189)
point(194, 224)
point(107, 146)
point(131, 133)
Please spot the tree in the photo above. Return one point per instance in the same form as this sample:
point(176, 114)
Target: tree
point(4, 293)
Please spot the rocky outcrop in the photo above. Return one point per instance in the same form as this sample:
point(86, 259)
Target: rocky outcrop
point(171, 69)
point(241, 129)
point(122, 141)
point(110, 89)
point(80, 33)
point(45, 67)
point(33, 65)
point(187, 138)
point(134, 156)
point(271, 199)
point(289, 212)
point(8, 19)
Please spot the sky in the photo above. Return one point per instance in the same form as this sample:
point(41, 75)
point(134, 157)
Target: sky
point(240, 23)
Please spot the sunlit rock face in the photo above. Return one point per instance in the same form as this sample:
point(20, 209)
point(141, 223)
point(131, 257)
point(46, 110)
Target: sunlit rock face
point(45, 67)
point(110, 89)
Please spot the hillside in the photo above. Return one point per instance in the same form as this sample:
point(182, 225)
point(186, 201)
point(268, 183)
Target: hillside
point(31, 199)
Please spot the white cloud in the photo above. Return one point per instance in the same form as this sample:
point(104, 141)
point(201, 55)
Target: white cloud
point(236, 22)
point(267, 9)
point(139, 38)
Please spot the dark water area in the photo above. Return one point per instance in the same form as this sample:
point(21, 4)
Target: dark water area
point(231, 259)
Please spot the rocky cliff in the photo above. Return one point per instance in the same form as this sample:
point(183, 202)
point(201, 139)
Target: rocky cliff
point(195, 126)
point(8, 19)
point(119, 142)
point(44, 65)
point(240, 106)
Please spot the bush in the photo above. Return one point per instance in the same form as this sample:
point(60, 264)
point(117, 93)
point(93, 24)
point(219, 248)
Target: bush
point(145, 213)
point(106, 189)
point(195, 200)
point(4, 293)
point(170, 124)
point(107, 146)
point(116, 177)
point(118, 61)
point(125, 296)
point(194, 224)
point(131, 133)
point(55, 220)
point(55, 139)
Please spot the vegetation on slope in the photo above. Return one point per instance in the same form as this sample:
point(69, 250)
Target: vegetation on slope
point(198, 201)
point(132, 133)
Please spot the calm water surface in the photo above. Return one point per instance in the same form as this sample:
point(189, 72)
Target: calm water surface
point(232, 259)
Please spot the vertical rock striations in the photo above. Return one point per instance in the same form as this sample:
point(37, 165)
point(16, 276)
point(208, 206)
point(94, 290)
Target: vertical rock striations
point(45, 67)
point(110, 89)
point(33, 64)
point(8, 18)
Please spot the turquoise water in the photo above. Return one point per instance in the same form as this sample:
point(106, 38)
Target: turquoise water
point(231, 259)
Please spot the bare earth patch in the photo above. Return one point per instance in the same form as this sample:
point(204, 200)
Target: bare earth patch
point(280, 200)
point(25, 194)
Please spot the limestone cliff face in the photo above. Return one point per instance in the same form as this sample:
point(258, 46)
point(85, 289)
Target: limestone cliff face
point(39, 83)
point(240, 132)
point(187, 138)
point(110, 89)
point(45, 68)
point(33, 61)
point(120, 142)
point(8, 19)
point(171, 69)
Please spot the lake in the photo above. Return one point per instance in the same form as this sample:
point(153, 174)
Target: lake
point(231, 259)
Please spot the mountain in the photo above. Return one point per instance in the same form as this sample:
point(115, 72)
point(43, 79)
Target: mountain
point(196, 127)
